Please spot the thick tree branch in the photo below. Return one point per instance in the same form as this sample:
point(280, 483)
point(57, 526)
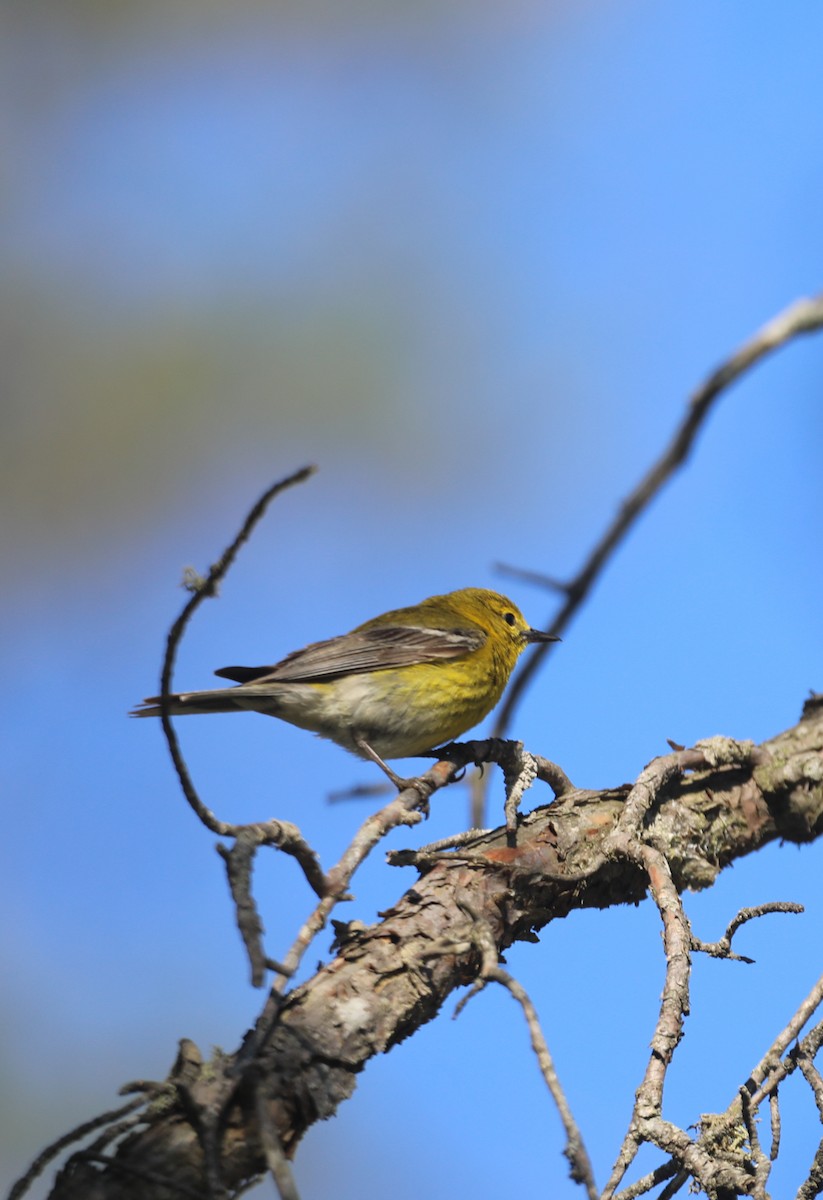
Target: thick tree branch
point(384, 982)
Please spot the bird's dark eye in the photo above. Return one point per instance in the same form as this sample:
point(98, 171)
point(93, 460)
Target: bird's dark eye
point(509, 618)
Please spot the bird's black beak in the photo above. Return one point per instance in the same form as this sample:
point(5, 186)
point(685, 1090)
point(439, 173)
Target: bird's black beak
point(536, 635)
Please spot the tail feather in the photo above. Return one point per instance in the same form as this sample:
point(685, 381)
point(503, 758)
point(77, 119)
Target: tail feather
point(180, 705)
point(244, 674)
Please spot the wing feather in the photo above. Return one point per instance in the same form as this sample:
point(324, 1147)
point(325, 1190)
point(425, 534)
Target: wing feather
point(376, 649)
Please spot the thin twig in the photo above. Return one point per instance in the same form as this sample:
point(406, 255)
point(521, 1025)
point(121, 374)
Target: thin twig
point(453, 842)
point(647, 1182)
point(813, 1185)
point(803, 316)
point(575, 1150)
point(505, 753)
point(774, 1122)
point(51, 1151)
point(519, 773)
point(156, 1179)
point(626, 841)
point(646, 1123)
point(814, 1080)
point(764, 1082)
point(770, 1070)
point(403, 809)
point(239, 862)
point(550, 582)
point(284, 835)
point(723, 947)
point(675, 1184)
point(276, 1160)
point(204, 588)
point(762, 1165)
point(479, 937)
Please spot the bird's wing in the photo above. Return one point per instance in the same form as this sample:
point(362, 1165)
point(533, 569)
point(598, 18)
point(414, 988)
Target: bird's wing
point(375, 649)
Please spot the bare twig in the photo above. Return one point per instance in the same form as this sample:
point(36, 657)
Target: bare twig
point(403, 809)
point(273, 833)
point(201, 589)
point(762, 1083)
point(803, 316)
point(723, 947)
point(156, 1180)
point(501, 751)
point(550, 582)
point(575, 1150)
point(479, 937)
point(771, 1070)
point(74, 1135)
point(762, 1165)
point(557, 779)
point(647, 1124)
point(813, 1185)
point(454, 842)
point(674, 1185)
point(774, 1121)
point(647, 1182)
point(812, 1076)
point(239, 862)
point(276, 1160)
point(519, 773)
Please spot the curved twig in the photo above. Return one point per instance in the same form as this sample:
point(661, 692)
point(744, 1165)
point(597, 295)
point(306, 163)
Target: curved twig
point(803, 316)
point(201, 589)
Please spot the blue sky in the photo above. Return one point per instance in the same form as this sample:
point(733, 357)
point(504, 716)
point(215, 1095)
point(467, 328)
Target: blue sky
point(471, 263)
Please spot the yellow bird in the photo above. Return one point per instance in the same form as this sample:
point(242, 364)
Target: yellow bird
point(395, 687)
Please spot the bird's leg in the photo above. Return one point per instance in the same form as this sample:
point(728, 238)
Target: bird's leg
point(399, 782)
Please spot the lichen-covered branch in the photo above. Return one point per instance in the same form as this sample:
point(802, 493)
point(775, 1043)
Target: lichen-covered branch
point(384, 983)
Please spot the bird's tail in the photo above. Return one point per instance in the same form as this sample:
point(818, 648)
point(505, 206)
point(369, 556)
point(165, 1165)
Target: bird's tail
point(220, 700)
